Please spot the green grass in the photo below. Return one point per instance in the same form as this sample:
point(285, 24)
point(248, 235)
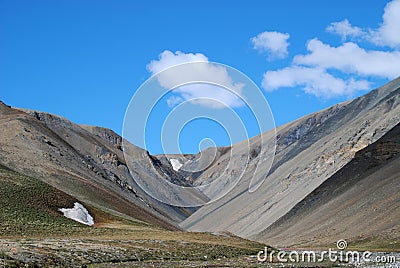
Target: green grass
point(382, 243)
point(29, 206)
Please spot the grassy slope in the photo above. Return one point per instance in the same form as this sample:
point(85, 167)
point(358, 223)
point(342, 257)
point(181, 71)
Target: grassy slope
point(30, 207)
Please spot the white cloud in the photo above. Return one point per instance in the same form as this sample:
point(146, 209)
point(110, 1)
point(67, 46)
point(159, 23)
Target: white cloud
point(389, 32)
point(168, 59)
point(350, 58)
point(315, 81)
point(345, 29)
point(324, 70)
point(275, 44)
point(207, 95)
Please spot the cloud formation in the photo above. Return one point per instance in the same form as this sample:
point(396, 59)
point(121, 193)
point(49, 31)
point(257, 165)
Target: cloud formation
point(350, 58)
point(314, 80)
point(168, 59)
point(324, 71)
point(387, 34)
point(345, 29)
point(275, 44)
point(204, 94)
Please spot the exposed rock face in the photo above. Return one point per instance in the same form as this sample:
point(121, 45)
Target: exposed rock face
point(309, 151)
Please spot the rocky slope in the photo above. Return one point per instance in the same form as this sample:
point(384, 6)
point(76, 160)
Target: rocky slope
point(85, 162)
point(309, 151)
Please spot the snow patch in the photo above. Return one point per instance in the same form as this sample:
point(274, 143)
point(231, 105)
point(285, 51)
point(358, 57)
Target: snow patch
point(78, 213)
point(176, 165)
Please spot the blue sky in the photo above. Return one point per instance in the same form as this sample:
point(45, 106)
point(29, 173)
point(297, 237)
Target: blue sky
point(85, 59)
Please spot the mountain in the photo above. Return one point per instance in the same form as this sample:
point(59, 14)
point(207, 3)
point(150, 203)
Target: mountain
point(82, 161)
point(309, 151)
point(339, 164)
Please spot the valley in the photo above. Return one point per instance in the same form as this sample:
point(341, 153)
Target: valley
point(335, 175)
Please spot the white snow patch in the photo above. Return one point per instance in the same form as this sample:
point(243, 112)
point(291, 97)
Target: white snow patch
point(78, 213)
point(176, 164)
